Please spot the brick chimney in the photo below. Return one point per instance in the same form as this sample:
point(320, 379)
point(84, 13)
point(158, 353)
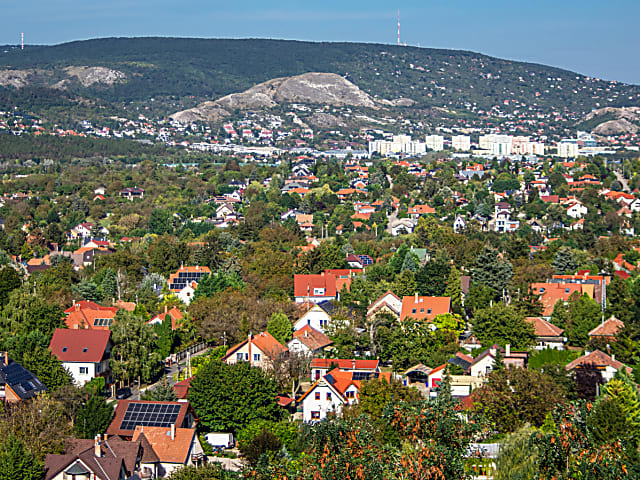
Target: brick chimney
point(173, 431)
point(97, 448)
point(507, 348)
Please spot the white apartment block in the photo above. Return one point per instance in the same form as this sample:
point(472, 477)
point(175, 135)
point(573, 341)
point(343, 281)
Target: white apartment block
point(461, 142)
point(398, 144)
point(435, 142)
point(568, 149)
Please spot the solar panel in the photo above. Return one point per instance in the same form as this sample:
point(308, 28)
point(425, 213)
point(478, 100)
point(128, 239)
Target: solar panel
point(149, 415)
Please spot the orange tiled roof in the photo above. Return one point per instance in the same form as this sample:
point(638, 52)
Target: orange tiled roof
point(168, 450)
point(424, 308)
point(609, 328)
point(544, 328)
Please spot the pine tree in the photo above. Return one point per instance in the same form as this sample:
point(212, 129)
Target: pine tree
point(563, 262)
point(410, 263)
point(109, 285)
point(454, 289)
point(18, 463)
point(93, 417)
point(491, 270)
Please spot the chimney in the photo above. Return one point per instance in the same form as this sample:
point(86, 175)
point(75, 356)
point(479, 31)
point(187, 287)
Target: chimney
point(306, 333)
point(354, 363)
point(165, 309)
point(416, 297)
point(507, 348)
point(249, 345)
point(97, 449)
point(613, 357)
point(173, 431)
point(492, 351)
point(77, 305)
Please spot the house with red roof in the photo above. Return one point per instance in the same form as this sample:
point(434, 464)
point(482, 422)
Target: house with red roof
point(423, 307)
point(551, 293)
point(84, 353)
point(320, 366)
point(389, 303)
point(547, 334)
point(334, 390)
point(259, 350)
point(607, 330)
point(308, 341)
point(184, 282)
point(608, 366)
point(174, 314)
point(315, 288)
point(417, 211)
point(173, 447)
point(89, 315)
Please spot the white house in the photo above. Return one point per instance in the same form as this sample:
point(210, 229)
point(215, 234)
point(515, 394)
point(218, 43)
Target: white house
point(186, 293)
point(459, 224)
point(547, 334)
point(608, 366)
point(321, 366)
point(173, 447)
point(331, 392)
point(388, 303)
point(308, 341)
point(315, 317)
point(259, 350)
point(575, 209)
point(84, 353)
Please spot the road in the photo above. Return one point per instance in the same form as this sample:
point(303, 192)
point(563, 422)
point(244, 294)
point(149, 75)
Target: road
point(622, 180)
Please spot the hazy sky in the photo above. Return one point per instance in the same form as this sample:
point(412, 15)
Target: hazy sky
point(598, 38)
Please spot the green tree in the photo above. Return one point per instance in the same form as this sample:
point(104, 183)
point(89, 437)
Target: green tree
point(18, 463)
point(86, 290)
point(265, 443)
point(454, 289)
point(160, 222)
point(227, 398)
point(491, 270)
point(397, 260)
point(405, 284)
point(514, 397)
point(209, 285)
point(133, 354)
point(279, 327)
point(109, 285)
point(584, 315)
point(165, 337)
point(502, 325)
point(47, 368)
point(432, 277)
point(376, 394)
point(411, 262)
point(10, 279)
point(563, 262)
point(93, 417)
point(518, 456)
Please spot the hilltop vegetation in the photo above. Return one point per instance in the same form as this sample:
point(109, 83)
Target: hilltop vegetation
point(179, 68)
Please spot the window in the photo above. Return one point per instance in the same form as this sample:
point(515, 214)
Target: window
point(351, 394)
point(84, 370)
point(239, 357)
point(256, 357)
point(317, 395)
point(64, 349)
point(428, 311)
point(84, 350)
point(413, 310)
point(422, 310)
point(315, 415)
point(542, 290)
point(98, 367)
point(329, 396)
point(318, 291)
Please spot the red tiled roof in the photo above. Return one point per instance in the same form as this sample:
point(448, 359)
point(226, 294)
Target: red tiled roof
point(264, 341)
point(598, 359)
point(544, 328)
point(345, 364)
point(421, 209)
point(424, 308)
point(551, 293)
point(168, 450)
point(79, 345)
point(312, 338)
point(609, 328)
point(304, 285)
point(182, 388)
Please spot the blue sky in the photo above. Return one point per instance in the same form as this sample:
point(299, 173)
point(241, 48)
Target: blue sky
point(597, 38)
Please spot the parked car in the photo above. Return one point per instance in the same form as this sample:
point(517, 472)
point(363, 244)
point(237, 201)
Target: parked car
point(122, 393)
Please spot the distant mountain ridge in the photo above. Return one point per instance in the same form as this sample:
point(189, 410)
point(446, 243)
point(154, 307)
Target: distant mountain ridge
point(137, 69)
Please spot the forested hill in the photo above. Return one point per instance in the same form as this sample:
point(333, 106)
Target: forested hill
point(210, 68)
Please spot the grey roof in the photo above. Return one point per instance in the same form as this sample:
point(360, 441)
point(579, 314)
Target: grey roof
point(21, 381)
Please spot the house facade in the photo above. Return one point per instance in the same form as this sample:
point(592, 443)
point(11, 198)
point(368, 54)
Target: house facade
point(84, 353)
point(259, 350)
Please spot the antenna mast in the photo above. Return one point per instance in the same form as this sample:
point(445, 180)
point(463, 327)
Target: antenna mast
point(22, 41)
point(398, 27)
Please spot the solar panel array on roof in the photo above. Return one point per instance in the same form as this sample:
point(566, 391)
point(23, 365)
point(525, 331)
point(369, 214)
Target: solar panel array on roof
point(149, 415)
point(185, 278)
point(24, 383)
point(362, 375)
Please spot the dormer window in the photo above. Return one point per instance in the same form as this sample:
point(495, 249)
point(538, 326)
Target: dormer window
point(64, 349)
point(84, 350)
